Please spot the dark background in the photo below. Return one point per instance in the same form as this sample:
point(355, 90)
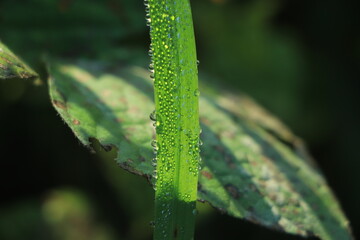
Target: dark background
point(299, 59)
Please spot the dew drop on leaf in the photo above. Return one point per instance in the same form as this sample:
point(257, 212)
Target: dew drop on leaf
point(153, 116)
point(197, 93)
point(154, 144)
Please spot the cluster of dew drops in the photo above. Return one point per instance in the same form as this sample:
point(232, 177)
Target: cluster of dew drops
point(152, 76)
point(155, 118)
point(195, 143)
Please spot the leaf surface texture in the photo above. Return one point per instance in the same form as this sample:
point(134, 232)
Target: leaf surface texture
point(253, 167)
point(11, 66)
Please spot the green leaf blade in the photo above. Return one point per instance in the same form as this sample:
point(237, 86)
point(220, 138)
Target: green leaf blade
point(253, 167)
point(11, 66)
point(175, 74)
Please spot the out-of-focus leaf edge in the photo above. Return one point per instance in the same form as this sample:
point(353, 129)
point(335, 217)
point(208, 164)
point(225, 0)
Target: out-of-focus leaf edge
point(12, 66)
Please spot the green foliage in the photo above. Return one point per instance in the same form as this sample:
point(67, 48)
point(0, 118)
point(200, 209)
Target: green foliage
point(62, 27)
point(11, 66)
point(268, 60)
point(253, 167)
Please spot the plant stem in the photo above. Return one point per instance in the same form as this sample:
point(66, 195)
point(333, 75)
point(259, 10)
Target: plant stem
point(174, 69)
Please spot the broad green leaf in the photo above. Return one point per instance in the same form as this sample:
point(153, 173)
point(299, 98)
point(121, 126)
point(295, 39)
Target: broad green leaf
point(254, 168)
point(11, 66)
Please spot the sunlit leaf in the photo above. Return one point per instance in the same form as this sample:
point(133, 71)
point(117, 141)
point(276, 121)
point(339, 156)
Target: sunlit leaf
point(253, 167)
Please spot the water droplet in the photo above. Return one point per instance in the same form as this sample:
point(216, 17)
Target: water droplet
point(154, 175)
point(158, 124)
point(197, 62)
point(150, 53)
point(195, 212)
point(154, 145)
point(151, 67)
point(152, 224)
point(197, 92)
point(154, 162)
point(153, 116)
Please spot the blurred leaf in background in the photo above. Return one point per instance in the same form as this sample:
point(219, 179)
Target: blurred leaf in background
point(70, 28)
point(243, 44)
point(64, 214)
point(69, 215)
